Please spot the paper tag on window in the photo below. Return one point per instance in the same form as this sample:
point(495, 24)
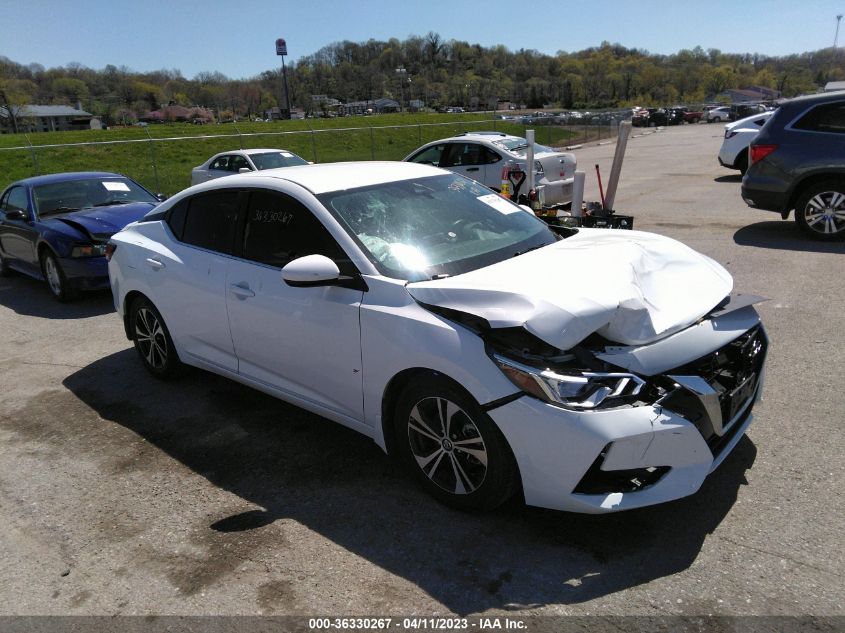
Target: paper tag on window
point(115, 186)
point(286, 154)
point(499, 203)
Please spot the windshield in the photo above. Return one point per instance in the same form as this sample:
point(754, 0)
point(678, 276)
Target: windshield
point(435, 226)
point(72, 195)
point(272, 160)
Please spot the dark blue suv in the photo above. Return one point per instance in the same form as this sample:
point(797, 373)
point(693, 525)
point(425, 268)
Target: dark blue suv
point(797, 161)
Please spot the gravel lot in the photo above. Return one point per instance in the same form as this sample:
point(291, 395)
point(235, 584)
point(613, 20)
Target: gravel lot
point(123, 495)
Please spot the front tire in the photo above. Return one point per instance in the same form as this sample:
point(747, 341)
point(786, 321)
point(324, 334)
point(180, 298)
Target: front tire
point(820, 210)
point(152, 340)
point(55, 277)
point(452, 447)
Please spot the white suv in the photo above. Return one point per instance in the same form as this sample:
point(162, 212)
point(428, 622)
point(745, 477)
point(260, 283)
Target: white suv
point(482, 155)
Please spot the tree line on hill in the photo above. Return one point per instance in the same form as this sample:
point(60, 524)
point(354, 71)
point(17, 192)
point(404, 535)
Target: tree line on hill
point(424, 71)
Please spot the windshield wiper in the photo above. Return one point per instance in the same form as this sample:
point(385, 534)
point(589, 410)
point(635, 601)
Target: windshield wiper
point(108, 204)
point(528, 250)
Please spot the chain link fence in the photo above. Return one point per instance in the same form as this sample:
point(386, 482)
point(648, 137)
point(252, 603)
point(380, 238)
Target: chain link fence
point(163, 163)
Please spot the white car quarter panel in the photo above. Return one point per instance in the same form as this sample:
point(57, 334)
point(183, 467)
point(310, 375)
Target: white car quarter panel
point(188, 290)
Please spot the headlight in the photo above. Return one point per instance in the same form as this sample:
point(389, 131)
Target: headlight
point(578, 390)
point(90, 250)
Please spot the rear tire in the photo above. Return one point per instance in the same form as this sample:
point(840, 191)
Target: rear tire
point(820, 210)
point(452, 447)
point(152, 340)
point(742, 162)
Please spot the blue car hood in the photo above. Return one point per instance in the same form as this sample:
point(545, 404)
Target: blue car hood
point(100, 223)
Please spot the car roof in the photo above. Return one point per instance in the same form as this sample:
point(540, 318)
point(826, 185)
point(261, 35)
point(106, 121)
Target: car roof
point(327, 177)
point(47, 179)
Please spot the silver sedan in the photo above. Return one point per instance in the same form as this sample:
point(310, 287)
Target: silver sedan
point(242, 161)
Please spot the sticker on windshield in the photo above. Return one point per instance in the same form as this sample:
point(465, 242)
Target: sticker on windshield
point(115, 186)
point(286, 154)
point(499, 203)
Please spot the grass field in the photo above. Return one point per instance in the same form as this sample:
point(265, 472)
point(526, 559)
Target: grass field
point(164, 163)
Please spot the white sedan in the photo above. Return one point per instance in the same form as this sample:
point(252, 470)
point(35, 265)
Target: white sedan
point(417, 307)
point(482, 155)
point(738, 136)
point(241, 161)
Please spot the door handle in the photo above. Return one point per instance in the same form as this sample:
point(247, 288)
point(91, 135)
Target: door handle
point(241, 290)
point(154, 263)
point(473, 169)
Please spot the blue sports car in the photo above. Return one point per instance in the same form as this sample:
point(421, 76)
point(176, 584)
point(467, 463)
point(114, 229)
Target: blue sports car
point(56, 227)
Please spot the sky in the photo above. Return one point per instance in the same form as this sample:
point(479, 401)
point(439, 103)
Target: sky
point(238, 38)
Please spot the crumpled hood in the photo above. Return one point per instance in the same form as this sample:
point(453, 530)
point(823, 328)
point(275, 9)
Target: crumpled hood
point(103, 222)
point(631, 287)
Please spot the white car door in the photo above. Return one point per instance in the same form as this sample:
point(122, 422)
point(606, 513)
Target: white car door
point(303, 341)
point(467, 159)
point(189, 276)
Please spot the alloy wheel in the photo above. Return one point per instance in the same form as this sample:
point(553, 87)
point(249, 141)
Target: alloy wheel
point(825, 212)
point(54, 278)
point(151, 339)
point(447, 445)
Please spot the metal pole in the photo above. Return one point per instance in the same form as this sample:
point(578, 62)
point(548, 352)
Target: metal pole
point(34, 159)
point(836, 37)
point(153, 160)
point(529, 159)
point(616, 168)
point(285, 78)
point(578, 193)
point(372, 144)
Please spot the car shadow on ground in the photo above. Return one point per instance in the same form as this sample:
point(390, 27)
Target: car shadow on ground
point(30, 297)
point(737, 177)
point(783, 235)
point(299, 466)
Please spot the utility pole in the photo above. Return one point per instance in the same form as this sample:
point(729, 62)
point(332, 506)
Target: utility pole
point(401, 73)
point(836, 37)
point(281, 51)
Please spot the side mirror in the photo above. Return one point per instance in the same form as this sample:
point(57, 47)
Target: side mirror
point(311, 271)
point(160, 197)
point(244, 170)
point(17, 215)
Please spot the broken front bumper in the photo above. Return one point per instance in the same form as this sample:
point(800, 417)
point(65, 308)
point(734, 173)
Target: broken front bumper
point(629, 457)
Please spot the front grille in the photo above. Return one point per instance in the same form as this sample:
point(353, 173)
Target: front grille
point(733, 371)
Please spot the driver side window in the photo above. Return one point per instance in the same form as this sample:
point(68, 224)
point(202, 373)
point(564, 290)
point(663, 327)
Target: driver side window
point(280, 229)
point(430, 156)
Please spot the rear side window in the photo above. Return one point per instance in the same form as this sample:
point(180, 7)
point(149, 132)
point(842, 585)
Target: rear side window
point(279, 229)
point(211, 221)
point(176, 217)
point(829, 117)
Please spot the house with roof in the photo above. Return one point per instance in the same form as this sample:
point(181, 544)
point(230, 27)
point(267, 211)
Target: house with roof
point(833, 86)
point(375, 106)
point(47, 118)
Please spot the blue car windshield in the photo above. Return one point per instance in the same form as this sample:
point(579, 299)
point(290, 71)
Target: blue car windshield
point(435, 226)
point(72, 195)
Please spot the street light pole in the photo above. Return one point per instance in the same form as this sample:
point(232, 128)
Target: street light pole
point(836, 37)
point(281, 51)
point(401, 73)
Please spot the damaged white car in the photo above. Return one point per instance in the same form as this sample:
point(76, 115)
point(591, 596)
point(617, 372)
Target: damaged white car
point(588, 370)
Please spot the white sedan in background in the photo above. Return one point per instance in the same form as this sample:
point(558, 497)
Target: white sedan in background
point(738, 136)
point(417, 307)
point(482, 155)
point(240, 161)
